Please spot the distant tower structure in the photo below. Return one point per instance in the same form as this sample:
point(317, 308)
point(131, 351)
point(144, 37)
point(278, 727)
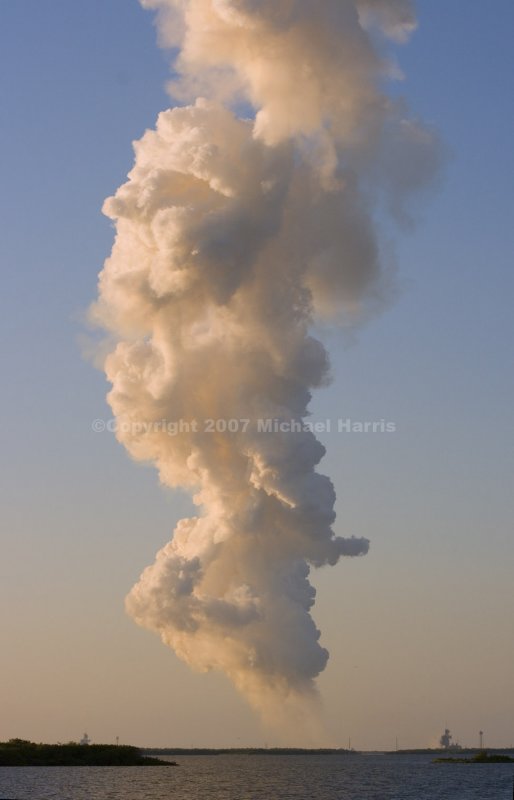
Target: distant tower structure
point(446, 740)
point(85, 739)
point(481, 735)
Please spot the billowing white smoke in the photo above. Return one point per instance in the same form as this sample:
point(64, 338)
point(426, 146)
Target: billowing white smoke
point(233, 235)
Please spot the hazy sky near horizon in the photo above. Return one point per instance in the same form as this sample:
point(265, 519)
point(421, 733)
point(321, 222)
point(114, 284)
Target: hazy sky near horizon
point(420, 630)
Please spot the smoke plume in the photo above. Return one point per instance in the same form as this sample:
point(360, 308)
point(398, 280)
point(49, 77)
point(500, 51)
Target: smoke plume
point(234, 233)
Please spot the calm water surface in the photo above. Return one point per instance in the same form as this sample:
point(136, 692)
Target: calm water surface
point(265, 778)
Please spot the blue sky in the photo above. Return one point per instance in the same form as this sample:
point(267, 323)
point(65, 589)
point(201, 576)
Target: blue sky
point(79, 82)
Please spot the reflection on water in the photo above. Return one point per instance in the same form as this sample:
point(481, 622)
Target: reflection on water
point(260, 777)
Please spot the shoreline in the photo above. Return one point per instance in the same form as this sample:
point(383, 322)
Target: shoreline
point(22, 753)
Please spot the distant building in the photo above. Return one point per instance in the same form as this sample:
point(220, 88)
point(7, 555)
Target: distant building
point(85, 739)
point(446, 741)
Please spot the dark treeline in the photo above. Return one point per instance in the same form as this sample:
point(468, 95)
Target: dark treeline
point(22, 753)
point(483, 757)
point(267, 751)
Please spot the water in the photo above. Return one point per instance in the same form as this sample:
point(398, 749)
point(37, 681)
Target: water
point(261, 777)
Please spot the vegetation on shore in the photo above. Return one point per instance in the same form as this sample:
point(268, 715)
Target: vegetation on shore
point(22, 753)
point(243, 751)
point(480, 758)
